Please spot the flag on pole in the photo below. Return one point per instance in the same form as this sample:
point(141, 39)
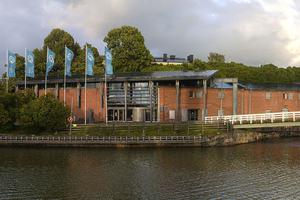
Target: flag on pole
point(50, 60)
point(108, 62)
point(69, 55)
point(11, 71)
point(90, 62)
point(29, 64)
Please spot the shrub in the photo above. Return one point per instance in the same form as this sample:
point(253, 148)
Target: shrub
point(4, 118)
point(44, 114)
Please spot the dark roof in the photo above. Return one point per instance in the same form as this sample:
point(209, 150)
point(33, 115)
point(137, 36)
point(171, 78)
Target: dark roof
point(134, 76)
point(273, 86)
point(174, 60)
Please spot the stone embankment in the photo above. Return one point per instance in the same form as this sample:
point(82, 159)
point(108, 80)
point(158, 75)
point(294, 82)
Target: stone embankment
point(230, 139)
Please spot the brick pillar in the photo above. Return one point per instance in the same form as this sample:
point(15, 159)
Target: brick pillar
point(158, 103)
point(125, 100)
point(36, 90)
point(56, 90)
point(177, 112)
point(78, 95)
point(150, 99)
point(235, 98)
point(204, 109)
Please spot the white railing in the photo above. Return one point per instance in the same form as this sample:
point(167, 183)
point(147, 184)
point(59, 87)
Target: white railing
point(256, 118)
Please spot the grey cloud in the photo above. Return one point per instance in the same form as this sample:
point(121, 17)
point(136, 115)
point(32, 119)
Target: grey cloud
point(253, 32)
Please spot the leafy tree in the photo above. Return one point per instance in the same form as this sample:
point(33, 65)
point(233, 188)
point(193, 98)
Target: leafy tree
point(4, 117)
point(216, 58)
point(43, 114)
point(8, 104)
point(78, 66)
point(128, 49)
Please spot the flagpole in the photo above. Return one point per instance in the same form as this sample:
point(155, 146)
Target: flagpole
point(65, 77)
point(105, 88)
point(46, 73)
point(7, 71)
point(25, 68)
point(85, 84)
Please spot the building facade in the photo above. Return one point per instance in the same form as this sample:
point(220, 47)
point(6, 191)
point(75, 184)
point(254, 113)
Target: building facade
point(166, 96)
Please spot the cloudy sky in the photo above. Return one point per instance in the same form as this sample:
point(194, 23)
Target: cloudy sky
point(249, 31)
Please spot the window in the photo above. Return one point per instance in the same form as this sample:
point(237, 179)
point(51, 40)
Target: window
point(172, 114)
point(268, 111)
point(285, 96)
point(285, 109)
point(268, 95)
point(220, 112)
point(199, 94)
point(221, 94)
point(290, 96)
point(191, 94)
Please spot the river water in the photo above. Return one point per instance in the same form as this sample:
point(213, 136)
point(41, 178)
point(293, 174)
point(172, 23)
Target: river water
point(268, 170)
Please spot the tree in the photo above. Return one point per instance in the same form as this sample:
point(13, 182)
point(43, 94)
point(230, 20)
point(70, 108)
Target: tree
point(8, 105)
point(56, 41)
point(4, 117)
point(216, 58)
point(44, 114)
point(128, 49)
point(78, 66)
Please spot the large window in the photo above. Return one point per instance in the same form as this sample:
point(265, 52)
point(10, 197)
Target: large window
point(290, 96)
point(195, 94)
point(221, 94)
point(268, 95)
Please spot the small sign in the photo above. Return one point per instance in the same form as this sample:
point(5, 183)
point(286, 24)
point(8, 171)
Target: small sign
point(172, 114)
point(70, 119)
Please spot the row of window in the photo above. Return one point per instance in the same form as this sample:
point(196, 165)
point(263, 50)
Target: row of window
point(199, 94)
point(195, 94)
point(286, 96)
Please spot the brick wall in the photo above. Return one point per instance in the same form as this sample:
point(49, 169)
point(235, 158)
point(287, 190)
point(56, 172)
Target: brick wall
point(253, 101)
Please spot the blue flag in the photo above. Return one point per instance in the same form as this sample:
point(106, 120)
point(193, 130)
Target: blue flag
point(69, 55)
point(29, 64)
point(11, 67)
point(90, 61)
point(108, 61)
point(50, 60)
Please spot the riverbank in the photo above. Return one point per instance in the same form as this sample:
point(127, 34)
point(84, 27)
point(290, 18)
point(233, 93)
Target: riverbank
point(230, 139)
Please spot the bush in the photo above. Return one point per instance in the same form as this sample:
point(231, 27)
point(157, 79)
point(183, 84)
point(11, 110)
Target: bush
point(4, 118)
point(45, 113)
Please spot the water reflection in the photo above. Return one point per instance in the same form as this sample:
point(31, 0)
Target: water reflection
point(262, 170)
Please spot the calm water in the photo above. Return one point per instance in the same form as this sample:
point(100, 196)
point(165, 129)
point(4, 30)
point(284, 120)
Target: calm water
point(254, 171)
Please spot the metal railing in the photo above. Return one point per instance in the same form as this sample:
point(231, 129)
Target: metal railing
point(255, 118)
point(98, 139)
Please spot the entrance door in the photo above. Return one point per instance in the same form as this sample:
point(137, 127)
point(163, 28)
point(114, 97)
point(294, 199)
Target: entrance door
point(116, 115)
point(193, 114)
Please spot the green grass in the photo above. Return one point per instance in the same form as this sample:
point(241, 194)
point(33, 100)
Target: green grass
point(146, 130)
point(130, 129)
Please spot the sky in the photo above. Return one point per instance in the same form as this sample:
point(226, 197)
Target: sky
point(252, 32)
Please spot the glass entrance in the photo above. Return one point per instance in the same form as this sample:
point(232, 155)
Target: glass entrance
point(116, 115)
point(193, 115)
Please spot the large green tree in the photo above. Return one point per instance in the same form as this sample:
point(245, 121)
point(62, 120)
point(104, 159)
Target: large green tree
point(128, 49)
point(56, 41)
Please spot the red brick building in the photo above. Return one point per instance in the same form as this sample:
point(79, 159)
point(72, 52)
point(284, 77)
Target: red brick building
point(166, 96)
